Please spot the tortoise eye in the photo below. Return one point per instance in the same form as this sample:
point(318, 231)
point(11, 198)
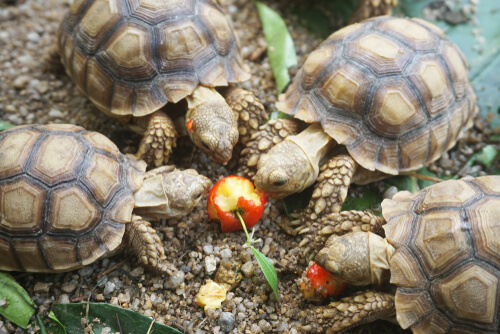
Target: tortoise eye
point(205, 144)
point(280, 183)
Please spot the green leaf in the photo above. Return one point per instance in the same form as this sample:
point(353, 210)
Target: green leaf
point(19, 307)
point(297, 201)
point(71, 315)
point(39, 320)
point(368, 200)
point(480, 43)
point(4, 125)
point(268, 269)
point(280, 49)
point(486, 156)
point(59, 327)
point(404, 182)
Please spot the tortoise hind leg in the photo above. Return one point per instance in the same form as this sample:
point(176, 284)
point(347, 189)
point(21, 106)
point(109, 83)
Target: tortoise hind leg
point(158, 141)
point(146, 244)
point(330, 191)
point(338, 316)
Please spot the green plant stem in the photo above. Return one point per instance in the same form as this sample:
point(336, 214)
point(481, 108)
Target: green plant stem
point(249, 239)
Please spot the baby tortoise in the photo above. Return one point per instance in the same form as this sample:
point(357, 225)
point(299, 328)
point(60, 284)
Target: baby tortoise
point(442, 251)
point(69, 197)
point(385, 96)
point(132, 57)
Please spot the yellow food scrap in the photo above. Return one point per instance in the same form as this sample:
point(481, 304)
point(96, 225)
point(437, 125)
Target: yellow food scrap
point(211, 295)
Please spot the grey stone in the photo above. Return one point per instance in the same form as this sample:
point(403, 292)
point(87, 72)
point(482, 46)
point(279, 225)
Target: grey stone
point(226, 321)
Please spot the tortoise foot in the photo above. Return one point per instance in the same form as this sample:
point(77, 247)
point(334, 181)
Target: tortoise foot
point(147, 245)
point(158, 140)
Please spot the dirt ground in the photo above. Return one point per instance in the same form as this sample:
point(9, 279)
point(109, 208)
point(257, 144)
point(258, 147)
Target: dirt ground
point(28, 94)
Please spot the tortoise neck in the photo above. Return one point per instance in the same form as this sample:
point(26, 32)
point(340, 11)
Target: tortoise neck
point(315, 143)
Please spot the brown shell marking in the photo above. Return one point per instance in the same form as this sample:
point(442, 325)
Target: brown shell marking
point(447, 259)
point(394, 91)
point(65, 194)
point(131, 57)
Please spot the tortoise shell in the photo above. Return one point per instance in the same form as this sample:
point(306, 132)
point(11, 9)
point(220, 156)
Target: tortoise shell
point(447, 259)
point(131, 57)
point(394, 91)
point(65, 196)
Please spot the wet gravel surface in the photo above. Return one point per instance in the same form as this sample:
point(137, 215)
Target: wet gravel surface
point(194, 245)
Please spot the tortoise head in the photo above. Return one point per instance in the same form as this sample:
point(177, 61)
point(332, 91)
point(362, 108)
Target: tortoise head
point(168, 193)
point(284, 170)
point(212, 124)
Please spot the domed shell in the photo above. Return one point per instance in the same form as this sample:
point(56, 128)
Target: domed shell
point(394, 91)
point(65, 197)
point(131, 57)
point(447, 259)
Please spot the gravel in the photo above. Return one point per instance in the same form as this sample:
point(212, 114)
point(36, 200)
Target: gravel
point(193, 244)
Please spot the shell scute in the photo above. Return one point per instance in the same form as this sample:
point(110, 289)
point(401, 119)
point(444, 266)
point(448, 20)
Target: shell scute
point(58, 159)
point(470, 293)
point(21, 205)
point(440, 242)
point(15, 150)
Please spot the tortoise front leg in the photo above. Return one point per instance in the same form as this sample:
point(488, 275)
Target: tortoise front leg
point(248, 110)
point(330, 192)
point(146, 244)
point(269, 134)
point(338, 224)
point(352, 311)
point(158, 141)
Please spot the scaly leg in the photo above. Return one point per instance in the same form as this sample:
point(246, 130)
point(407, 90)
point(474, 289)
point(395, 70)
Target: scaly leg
point(330, 191)
point(269, 134)
point(248, 110)
point(338, 223)
point(158, 141)
point(338, 316)
point(146, 244)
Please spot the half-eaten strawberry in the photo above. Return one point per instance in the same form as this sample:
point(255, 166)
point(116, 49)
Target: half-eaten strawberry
point(231, 194)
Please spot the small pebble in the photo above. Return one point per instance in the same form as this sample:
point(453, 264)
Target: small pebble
point(390, 192)
point(210, 264)
point(64, 299)
point(247, 269)
point(86, 271)
point(226, 321)
point(208, 249)
point(68, 287)
point(41, 287)
point(265, 326)
point(137, 272)
point(124, 297)
point(21, 81)
point(226, 253)
point(109, 287)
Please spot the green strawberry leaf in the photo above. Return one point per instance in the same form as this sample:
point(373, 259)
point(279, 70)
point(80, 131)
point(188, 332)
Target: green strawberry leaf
point(105, 318)
point(280, 48)
point(268, 269)
point(4, 125)
point(15, 303)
